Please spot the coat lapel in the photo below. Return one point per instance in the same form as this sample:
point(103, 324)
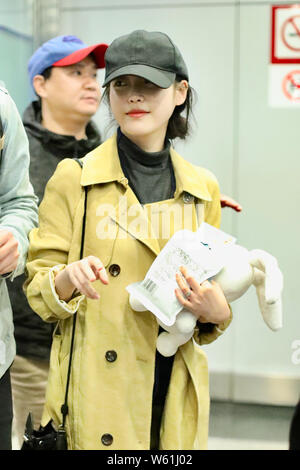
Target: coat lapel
point(133, 219)
point(102, 166)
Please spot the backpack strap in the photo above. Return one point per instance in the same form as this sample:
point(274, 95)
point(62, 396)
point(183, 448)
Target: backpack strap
point(1, 137)
point(64, 407)
point(80, 162)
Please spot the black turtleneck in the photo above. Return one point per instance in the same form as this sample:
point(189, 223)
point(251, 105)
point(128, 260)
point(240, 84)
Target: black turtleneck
point(151, 177)
point(150, 174)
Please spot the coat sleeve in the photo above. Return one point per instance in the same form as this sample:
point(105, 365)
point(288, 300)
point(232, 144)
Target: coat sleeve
point(207, 332)
point(18, 203)
point(50, 243)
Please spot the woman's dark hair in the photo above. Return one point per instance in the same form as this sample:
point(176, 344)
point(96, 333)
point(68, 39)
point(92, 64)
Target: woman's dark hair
point(178, 126)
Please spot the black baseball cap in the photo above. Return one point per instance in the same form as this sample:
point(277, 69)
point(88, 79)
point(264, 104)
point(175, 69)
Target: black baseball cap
point(150, 55)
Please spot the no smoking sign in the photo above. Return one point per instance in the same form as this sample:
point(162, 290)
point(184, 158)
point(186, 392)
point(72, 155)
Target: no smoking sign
point(284, 74)
point(290, 33)
point(284, 86)
point(285, 39)
point(291, 85)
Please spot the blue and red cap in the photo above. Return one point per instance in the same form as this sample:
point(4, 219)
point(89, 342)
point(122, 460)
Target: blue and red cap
point(62, 51)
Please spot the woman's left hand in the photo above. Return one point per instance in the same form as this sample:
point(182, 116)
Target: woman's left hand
point(206, 301)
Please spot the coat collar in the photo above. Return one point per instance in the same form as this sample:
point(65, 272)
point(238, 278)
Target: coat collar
point(102, 165)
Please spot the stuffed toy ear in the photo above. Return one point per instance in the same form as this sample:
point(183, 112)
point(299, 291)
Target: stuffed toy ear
point(177, 334)
point(273, 278)
point(272, 313)
point(136, 304)
point(268, 281)
point(168, 343)
point(185, 322)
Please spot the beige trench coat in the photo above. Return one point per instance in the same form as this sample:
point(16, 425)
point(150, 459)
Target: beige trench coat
point(110, 397)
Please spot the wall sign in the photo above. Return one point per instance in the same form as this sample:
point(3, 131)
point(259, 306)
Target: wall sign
point(284, 74)
point(285, 36)
point(291, 85)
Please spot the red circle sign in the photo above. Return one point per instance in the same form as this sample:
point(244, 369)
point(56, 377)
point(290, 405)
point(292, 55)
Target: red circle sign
point(291, 85)
point(290, 33)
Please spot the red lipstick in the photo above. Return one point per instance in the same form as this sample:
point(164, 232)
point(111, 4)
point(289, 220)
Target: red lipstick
point(137, 113)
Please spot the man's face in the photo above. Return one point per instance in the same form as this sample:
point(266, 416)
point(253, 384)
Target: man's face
point(73, 90)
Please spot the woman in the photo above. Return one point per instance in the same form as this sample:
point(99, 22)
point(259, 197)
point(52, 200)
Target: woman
point(123, 395)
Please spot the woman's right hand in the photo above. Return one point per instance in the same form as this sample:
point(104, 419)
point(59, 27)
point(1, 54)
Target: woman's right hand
point(79, 276)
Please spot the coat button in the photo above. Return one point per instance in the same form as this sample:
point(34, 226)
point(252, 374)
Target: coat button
point(107, 439)
point(187, 198)
point(111, 356)
point(114, 270)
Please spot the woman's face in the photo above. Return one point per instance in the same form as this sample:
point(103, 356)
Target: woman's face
point(143, 110)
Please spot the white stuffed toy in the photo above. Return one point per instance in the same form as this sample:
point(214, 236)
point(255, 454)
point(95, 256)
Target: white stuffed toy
point(242, 268)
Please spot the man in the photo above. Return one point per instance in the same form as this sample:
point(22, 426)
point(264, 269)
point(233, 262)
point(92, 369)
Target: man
point(63, 74)
point(18, 215)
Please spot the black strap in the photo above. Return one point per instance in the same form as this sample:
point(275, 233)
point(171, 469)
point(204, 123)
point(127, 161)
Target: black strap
point(1, 135)
point(64, 407)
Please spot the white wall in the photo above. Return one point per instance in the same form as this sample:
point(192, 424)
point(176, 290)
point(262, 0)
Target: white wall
point(17, 15)
point(252, 149)
point(16, 46)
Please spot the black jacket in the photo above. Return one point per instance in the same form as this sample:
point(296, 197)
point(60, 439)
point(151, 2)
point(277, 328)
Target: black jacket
point(34, 336)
